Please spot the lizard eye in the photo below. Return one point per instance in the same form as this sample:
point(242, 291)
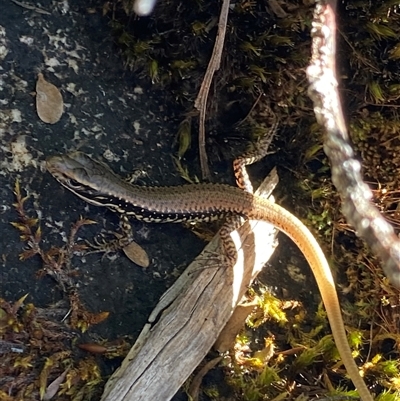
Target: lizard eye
point(74, 184)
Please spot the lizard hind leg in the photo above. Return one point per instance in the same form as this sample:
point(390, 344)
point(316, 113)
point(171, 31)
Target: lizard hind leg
point(229, 248)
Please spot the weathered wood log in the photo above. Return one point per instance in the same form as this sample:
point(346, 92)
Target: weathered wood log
point(191, 314)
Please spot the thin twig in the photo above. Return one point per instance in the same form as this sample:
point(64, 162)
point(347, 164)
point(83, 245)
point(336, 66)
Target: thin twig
point(346, 169)
point(201, 101)
point(251, 110)
point(29, 7)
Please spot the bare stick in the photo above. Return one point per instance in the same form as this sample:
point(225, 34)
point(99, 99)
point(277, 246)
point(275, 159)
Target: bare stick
point(356, 195)
point(201, 101)
point(30, 7)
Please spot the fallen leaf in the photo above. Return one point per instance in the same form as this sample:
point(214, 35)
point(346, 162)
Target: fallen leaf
point(93, 348)
point(54, 386)
point(137, 254)
point(228, 334)
point(49, 101)
point(194, 388)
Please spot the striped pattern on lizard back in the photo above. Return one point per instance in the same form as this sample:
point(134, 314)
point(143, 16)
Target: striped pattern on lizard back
point(97, 184)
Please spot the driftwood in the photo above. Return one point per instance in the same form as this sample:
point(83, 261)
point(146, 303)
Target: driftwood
point(191, 314)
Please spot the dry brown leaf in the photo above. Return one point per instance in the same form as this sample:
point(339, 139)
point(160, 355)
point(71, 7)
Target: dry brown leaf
point(93, 348)
point(228, 334)
point(194, 388)
point(137, 254)
point(49, 101)
point(54, 386)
